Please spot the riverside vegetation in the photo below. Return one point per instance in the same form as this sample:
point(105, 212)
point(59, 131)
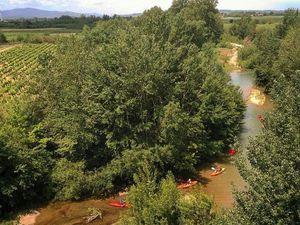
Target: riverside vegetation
point(125, 92)
point(147, 92)
point(273, 175)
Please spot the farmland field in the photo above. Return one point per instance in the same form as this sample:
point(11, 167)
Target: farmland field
point(263, 22)
point(259, 19)
point(15, 34)
point(17, 63)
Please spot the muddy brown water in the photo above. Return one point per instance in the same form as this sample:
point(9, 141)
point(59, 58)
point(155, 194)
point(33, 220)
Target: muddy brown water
point(220, 187)
point(72, 213)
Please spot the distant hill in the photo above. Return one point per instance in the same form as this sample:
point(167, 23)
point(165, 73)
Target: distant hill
point(28, 13)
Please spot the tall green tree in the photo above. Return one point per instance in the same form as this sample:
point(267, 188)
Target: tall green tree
point(290, 19)
point(244, 27)
point(289, 54)
point(268, 46)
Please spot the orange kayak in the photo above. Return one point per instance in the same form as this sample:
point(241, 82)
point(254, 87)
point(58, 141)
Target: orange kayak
point(118, 204)
point(186, 185)
point(215, 173)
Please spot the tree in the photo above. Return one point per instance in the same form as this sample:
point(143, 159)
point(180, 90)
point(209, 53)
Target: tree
point(199, 19)
point(178, 5)
point(290, 19)
point(152, 203)
point(2, 38)
point(268, 47)
point(244, 27)
point(24, 163)
point(289, 54)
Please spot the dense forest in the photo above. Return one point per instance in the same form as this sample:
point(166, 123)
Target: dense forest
point(139, 103)
point(119, 95)
point(67, 22)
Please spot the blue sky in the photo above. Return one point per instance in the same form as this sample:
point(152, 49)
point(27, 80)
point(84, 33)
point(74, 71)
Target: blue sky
point(135, 6)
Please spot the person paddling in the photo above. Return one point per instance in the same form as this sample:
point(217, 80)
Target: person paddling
point(218, 168)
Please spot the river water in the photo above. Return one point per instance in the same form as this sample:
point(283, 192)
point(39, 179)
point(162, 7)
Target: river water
point(220, 187)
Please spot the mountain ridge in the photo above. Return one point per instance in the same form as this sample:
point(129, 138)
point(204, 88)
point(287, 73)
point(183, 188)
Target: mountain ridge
point(29, 13)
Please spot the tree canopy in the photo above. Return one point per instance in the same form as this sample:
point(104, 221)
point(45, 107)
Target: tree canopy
point(123, 92)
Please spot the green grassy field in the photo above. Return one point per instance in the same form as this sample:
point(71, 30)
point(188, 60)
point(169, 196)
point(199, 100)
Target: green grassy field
point(258, 26)
point(260, 19)
point(13, 34)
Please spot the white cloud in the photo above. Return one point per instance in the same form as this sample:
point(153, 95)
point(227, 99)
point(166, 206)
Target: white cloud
point(134, 6)
point(253, 4)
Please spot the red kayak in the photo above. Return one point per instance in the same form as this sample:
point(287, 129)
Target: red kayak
point(231, 152)
point(186, 184)
point(215, 173)
point(118, 204)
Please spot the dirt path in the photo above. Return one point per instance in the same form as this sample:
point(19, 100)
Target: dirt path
point(234, 58)
point(7, 47)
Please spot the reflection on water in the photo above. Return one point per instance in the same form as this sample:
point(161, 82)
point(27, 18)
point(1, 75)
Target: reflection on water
point(220, 187)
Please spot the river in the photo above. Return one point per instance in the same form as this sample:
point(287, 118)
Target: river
point(220, 187)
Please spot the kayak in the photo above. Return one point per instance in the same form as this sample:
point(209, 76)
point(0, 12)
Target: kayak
point(118, 204)
point(215, 173)
point(231, 152)
point(186, 185)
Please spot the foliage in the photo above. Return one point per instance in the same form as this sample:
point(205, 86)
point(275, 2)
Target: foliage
point(248, 56)
point(245, 27)
point(274, 51)
point(289, 53)
point(153, 203)
point(273, 178)
point(200, 17)
point(24, 163)
point(290, 19)
point(69, 184)
point(2, 38)
point(104, 101)
point(60, 22)
point(268, 46)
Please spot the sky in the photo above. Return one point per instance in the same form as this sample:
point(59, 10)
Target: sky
point(136, 6)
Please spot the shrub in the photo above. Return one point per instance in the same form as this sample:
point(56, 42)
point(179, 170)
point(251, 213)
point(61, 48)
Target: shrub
point(2, 38)
point(248, 56)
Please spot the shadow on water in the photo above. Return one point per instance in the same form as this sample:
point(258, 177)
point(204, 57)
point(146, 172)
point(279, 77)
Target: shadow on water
point(220, 187)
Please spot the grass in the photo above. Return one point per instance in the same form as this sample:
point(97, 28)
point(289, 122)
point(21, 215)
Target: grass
point(259, 27)
point(13, 34)
point(260, 19)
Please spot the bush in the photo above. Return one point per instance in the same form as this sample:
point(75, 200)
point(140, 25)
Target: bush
point(245, 27)
point(248, 56)
point(69, 180)
point(2, 38)
point(161, 202)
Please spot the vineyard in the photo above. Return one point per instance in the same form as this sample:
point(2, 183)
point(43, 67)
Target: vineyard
point(16, 64)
